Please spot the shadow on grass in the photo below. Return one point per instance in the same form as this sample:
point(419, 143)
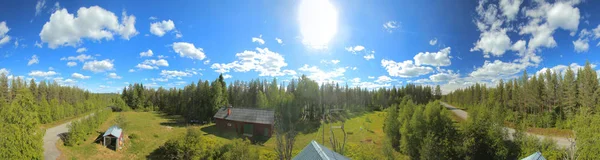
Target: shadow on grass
point(173, 120)
point(231, 135)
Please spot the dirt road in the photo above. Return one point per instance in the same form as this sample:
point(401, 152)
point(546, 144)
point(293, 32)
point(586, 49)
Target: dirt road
point(52, 136)
point(560, 141)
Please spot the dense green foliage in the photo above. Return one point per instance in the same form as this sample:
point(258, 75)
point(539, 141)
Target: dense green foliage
point(196, 146)
point(24, 106)
point(549, 99)
point(79, 130)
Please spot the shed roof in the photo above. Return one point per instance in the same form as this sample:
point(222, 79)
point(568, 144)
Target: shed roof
point(247, 115)
point(535, 156)
point(114, 131)
point(315, 151)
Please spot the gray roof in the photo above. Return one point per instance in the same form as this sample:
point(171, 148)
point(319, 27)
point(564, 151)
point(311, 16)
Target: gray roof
point(114, 131)
point(535, 156)
point(247, 115)
point(315, 151)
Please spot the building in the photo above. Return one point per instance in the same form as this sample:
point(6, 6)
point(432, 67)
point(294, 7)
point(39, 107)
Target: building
point(535, 156)
point(245, 121)
point(113, 137)
point(315, 151)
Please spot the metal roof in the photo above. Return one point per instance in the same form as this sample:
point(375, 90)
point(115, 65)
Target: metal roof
point(247, 115)
point(315, 151)
point(114, 131)
point(535, 156)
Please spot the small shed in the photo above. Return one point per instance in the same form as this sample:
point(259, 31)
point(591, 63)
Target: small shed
point(535, 156)
point(315, 151)
point(248, 122)
point(113, 137)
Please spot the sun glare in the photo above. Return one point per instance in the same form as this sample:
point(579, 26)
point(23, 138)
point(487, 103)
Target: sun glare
point(318, 22)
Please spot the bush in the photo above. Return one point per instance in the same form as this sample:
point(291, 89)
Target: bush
point(80, 129)
point(133, 136)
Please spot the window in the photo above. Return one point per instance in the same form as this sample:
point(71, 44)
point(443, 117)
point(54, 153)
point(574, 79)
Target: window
point(266, 133)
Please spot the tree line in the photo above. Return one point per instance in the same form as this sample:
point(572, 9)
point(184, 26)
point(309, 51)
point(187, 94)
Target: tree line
point(79, 130)
point(25, 106)
point(549, 99)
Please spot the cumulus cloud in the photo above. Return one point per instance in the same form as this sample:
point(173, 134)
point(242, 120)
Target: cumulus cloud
point(146, 53)
point(383, 79)
point(80, 58)
point(494, 42)
point(390, 26)
point(321, 76)
point(334, 61)
point(227, 76)
point(79, 76)
point(162, 27)
point(42, 73)
point(188, 50)
point(71, 64)
point(95, 23)
point(4, 38)
point(561, 69)
point(581, 45)
point(369, 56)
point(263, 61)
point(113, 76)
point(258, 40)
point(153, 64)
point(355, 49)
point(81, 50)
point(34, 60)
point(99, 66)
point(433, 41)
point(404, 69)
point(510, 8)
point(279, 40)
point(371, 77)
point(440, 58)
point(206, 61)
point(169, 74)
point(4, 71)
point(444, 76)
point(497, 69)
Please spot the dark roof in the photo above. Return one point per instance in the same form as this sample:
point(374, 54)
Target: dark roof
point(247, 115)
point(315, 151)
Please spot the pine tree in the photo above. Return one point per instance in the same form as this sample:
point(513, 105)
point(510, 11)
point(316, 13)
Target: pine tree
point(569, 86)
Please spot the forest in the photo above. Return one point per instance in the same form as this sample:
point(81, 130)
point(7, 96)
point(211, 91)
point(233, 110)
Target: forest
point(25, 106)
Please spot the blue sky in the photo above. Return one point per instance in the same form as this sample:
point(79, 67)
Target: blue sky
point(105, 45)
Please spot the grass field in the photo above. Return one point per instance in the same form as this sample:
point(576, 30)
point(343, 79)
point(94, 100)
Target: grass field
point(146, 131)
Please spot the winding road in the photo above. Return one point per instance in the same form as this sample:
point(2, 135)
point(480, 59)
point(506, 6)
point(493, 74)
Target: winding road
point(560, 141)
point(52, 136)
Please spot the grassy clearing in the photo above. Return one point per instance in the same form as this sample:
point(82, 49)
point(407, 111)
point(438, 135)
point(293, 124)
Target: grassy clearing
point(151, 130)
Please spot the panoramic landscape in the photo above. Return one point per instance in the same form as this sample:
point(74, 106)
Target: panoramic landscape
point(304, 79)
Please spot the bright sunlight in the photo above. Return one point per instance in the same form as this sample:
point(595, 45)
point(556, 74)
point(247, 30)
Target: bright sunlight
point(318, 22)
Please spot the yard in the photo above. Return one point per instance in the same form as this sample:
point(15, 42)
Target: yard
point(146, 131)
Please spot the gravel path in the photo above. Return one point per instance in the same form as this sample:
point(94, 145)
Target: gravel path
point(560, 141)
point(52, 136)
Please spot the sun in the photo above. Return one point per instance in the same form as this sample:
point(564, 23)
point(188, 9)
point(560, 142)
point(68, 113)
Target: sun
point(318, 22)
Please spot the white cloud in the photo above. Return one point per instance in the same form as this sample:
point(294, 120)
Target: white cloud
point(227, 76)
point(34, 60)
point(96, 23)
point(321, 76)
point(279, 40)
point(169, 74)
point(42, 73)
point(152, 18)
point(131, 70)
point(206, 61)
point(444, 76)
point(371, 77)
point(581, 45)
point(404, 69)
point(390, 26)
point(355, 49)
point(258, 40)
point(510, 8)
point(494, 42)
point(264, 61)
point(79, 76)
point(595, 30)
point(62, 81)
point(159, 79)
point(355, 80)
point(4, 38)
point(153, 64)
point(4, 71)
point(41, 4)
point(433, 41)
point(334, 61)
point(160, 28)
point(99, 66)
point(146, 53)
point(563, 15)
point(369, 56)
point(188, 50)
point(80, 50)
point(114, 76)
point(383, 79)
point(71, 64)
point(440, 58)
point(497, 69)
point(80, 58)
point(162, 57)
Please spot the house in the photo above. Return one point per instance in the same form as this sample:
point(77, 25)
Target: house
point(315, 151)
point(113, 137)
point(535, 156)
point(245, 121)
